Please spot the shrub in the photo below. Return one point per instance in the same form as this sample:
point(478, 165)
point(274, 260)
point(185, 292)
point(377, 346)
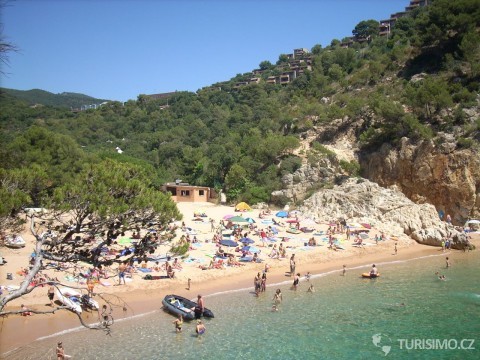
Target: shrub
point(180, 249)
point(465, 143)
point(352, 168)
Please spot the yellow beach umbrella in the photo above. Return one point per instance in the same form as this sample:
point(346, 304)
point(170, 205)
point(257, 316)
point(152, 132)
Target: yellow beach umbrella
point(243, 206)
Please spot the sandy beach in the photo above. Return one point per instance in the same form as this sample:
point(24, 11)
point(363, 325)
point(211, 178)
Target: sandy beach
point(142, 296)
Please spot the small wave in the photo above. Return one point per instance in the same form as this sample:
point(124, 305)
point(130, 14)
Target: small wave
point(327, 273)
point(80, 328)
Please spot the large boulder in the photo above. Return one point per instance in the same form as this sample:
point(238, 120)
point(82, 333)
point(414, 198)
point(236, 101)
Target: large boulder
point(360, 200)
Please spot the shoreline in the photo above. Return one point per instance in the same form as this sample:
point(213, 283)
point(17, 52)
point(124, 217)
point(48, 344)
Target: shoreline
point(143, 301)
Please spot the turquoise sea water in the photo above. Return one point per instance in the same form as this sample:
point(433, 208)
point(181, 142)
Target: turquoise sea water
point(346, 318)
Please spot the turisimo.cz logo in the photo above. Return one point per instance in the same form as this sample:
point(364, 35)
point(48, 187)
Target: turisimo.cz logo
point(437, 344)
point(379, 341)
point(384, 343)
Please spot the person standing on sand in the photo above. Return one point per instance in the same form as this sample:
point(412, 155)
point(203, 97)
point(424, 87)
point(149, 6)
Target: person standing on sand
point(61, 352)
point(90, 286)
point(396, 249)
point(121, 273)
point(292, 265)
point(447, 262)
point(51, 294)
point(344, 271)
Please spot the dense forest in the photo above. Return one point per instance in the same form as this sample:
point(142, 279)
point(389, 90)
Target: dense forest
point(414, 83)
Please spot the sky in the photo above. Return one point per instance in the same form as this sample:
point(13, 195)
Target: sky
point(118, 49)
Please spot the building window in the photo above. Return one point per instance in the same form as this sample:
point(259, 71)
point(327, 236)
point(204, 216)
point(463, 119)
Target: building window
point(201, 192)
point(185, 193)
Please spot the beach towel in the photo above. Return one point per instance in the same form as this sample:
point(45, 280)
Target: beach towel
point(144, 270)
point(105, 283)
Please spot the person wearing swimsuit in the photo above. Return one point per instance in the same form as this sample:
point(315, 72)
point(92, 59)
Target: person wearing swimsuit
point(200, 329)
point(296, 280)
point(178, 323)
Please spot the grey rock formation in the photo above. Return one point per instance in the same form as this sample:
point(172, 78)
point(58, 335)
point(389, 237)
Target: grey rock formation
point(360, 200)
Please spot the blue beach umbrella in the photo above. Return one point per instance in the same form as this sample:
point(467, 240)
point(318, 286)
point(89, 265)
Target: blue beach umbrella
point(250, 248)
point(228, 242)
point(282, 214)
point(246, 240)
point(250, 220)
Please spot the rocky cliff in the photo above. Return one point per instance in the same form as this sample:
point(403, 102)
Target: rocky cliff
point(442, 175)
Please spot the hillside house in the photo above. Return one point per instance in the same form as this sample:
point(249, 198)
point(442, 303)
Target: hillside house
point(184, 192)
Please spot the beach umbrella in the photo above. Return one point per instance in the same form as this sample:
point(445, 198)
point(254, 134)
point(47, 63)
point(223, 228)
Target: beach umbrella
point(226, 217)
point(366, 226)
point(246, 240)
point(228, 242)
point(250, 220)
point(243, 206)
point(250, 248)
point(281, 214)
point(295, 212)
point(473, 222)
point(238, 219)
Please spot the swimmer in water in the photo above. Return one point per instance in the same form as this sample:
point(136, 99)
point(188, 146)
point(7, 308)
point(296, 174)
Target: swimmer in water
point(274, 308)
point(311, 289)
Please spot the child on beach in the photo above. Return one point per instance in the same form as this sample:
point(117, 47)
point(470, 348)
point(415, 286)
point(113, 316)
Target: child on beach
point(61, 352)
point(26, 311)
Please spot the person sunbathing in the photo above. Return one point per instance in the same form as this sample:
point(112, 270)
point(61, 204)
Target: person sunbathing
point(358, 241)
point(170, 272)
point(232, 261)
point(176, 264)
point(26, 311)
point(157, 267)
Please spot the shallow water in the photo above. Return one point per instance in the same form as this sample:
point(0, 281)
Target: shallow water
point(338, 321)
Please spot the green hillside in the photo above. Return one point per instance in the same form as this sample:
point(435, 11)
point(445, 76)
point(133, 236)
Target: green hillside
point(243, 137)
point(65, 99)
